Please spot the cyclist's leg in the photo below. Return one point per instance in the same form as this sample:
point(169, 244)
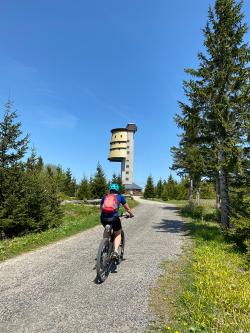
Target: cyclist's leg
point(103, 222)
point(117, 230)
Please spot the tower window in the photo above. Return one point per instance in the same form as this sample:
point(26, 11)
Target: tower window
point(127, 172)
point(127, 166)
point(127, 178)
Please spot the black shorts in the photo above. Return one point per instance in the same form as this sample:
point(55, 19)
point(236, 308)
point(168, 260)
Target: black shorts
point(114, 221)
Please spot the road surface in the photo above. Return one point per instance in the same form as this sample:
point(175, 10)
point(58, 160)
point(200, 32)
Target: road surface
point(53, 289)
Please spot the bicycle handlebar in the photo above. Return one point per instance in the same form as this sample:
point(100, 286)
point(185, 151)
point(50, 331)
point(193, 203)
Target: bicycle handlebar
point(126, 216)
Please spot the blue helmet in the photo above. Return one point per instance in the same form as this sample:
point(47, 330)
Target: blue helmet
point(114, 187)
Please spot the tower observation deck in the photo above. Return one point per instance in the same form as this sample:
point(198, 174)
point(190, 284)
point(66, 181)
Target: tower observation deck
point(122, 150)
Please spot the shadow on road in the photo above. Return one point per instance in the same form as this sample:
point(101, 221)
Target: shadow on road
point(171, 208)
point(173, 226)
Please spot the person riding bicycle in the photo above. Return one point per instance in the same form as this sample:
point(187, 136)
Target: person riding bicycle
point(110, 214)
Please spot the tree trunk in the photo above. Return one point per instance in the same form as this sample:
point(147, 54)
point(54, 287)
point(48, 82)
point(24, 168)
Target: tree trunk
point(224, 199)
point(217, 182)
point(197, 197)
point(190, 194)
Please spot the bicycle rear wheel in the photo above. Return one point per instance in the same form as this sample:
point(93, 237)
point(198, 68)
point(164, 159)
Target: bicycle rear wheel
point(122, 247)
point(103, 260)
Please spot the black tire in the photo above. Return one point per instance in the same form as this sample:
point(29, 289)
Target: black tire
point(103, 260)
point(122, 246)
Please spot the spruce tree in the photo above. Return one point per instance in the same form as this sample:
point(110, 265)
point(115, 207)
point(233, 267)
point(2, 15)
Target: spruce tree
point(149, 191)
point(159, 188)
point(40, 163)
point(170, 190)
point(13, 147)
point(83, 191)
point(32, 161)
point(70, 185)
point(118, 180)
point(220, 93)
point(28, 197)
point(225, 71)
point(189, 158)
point(99, 183)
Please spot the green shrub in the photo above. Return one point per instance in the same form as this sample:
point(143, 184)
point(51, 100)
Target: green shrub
point(192, 210)
point(31, 204)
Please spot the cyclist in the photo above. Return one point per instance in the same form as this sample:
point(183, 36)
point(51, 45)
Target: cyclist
point(110, 214)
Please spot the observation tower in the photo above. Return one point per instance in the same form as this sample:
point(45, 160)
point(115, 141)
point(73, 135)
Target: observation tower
point(122, 150)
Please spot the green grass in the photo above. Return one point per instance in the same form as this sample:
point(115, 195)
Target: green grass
point(182, 203)
point(208, 289)
point(76, 218)
point(132, 204)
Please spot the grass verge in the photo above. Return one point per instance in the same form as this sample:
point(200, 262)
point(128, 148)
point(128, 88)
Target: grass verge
point(207, 290)
point(76, 218)
point(181, 203)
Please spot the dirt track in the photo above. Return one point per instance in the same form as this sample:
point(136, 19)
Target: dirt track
point(53, 289)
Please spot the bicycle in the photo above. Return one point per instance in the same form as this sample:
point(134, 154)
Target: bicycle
point(104, 261)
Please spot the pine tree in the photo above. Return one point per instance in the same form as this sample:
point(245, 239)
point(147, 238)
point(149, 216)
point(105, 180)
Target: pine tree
point(159, 188)
point(70, 186)
point(12, 147)
point(227, 83)
point(118, 180)
point(40, 163)
point(99, 183)
point(149, 191)
point(28, 198)
point(170, 190)
point(220, 93)
point(32, 161)
point(83, 191)
point(189, 158)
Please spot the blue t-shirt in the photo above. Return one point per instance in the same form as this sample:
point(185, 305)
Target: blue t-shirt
point(121, 200)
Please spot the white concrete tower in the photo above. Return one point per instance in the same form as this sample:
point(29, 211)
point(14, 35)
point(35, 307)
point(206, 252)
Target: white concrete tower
point(127, 166)
point(122, 150)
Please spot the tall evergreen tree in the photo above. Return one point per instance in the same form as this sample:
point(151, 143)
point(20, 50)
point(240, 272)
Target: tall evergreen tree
point(70, 185)
point(227, 78)
point(170, 190)
point(159, 188)
point(149, 191)
point(12, 146)
point(83, 191)
point(118, 180)
point(221, 91)
point(28, 199)
point(12, 149)
point(99, 183)
point(40, 163)
point(32, 161)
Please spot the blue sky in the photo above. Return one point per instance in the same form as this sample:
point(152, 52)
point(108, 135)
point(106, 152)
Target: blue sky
point(76, 69)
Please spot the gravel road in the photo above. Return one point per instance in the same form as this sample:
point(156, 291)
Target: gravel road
point(53, 289)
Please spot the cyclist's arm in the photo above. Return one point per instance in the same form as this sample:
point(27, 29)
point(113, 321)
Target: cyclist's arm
point(126, 206)
point(101, 203)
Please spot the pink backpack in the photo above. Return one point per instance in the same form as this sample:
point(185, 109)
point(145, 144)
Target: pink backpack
point(110, 204)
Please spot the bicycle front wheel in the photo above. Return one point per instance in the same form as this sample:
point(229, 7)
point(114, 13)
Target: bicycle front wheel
point(103, 260)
